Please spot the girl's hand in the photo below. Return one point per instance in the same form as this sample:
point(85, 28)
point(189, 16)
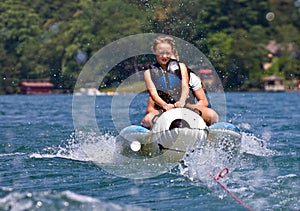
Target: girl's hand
point(167, 107)
point(179, 104)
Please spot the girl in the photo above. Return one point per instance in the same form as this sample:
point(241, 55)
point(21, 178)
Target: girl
point(197, 91)
point(166, 81)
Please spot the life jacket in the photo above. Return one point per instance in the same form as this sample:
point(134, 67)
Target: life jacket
point(167, 83)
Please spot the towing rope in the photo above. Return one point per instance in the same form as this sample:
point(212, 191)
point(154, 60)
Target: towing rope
point(221, 174)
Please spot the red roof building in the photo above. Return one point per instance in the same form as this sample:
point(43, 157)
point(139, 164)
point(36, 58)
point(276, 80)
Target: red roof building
point(36, 87)
point(205, 71)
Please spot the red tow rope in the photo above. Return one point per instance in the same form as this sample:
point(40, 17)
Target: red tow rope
point(223, 173)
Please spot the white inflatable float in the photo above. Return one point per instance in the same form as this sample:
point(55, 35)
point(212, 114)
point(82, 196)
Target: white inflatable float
point(173, 134)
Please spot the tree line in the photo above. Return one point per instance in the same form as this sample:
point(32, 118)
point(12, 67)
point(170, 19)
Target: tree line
point(43, 39)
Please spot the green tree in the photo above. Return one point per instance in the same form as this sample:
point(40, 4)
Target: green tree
point(219, 47)
point(53, 39)
point(20, 34)
point(86, 30)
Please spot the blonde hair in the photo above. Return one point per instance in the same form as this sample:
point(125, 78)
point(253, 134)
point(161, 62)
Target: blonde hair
point(164, 39)
point(175, 54)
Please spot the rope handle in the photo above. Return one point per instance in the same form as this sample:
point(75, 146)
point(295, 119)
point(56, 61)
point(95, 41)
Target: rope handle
point(221, 174)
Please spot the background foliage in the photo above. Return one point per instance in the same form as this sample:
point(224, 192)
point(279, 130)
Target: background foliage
point(43, 39)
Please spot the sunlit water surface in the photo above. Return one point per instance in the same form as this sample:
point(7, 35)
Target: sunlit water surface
point(44, 162)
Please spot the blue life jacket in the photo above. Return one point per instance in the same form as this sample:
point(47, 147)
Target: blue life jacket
point(167, 83)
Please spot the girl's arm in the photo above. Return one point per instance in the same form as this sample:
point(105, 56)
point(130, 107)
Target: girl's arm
point(201, 99)
point(198, 91)
point(150, 106)
point(184, 86)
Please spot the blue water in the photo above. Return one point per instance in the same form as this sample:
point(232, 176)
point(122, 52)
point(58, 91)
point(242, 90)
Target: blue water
point(44, 165)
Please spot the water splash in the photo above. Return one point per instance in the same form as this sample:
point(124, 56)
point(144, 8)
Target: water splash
point(255, 146)
point(209, 159)
point(253, 174)
point(78, 145)
point(206, 160)
point(101, 149)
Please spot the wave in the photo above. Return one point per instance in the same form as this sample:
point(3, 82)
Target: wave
point(251, 170)
point(11, 154)
point(53, 200)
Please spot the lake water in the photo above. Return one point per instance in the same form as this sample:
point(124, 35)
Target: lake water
point(44, 165)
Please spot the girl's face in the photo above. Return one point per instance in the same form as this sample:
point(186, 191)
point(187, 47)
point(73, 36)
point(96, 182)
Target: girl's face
point(163, 53)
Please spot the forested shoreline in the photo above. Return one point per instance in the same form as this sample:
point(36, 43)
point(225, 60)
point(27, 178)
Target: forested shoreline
point(52, 40)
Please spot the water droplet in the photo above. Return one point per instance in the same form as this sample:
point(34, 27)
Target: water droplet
point(54, 28)
point(135, 146)
point(270, 16)
point(81, 56)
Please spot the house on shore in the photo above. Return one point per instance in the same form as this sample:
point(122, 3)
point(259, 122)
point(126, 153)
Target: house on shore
point(207, 78)
point(35, 87)
point(274, 83)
